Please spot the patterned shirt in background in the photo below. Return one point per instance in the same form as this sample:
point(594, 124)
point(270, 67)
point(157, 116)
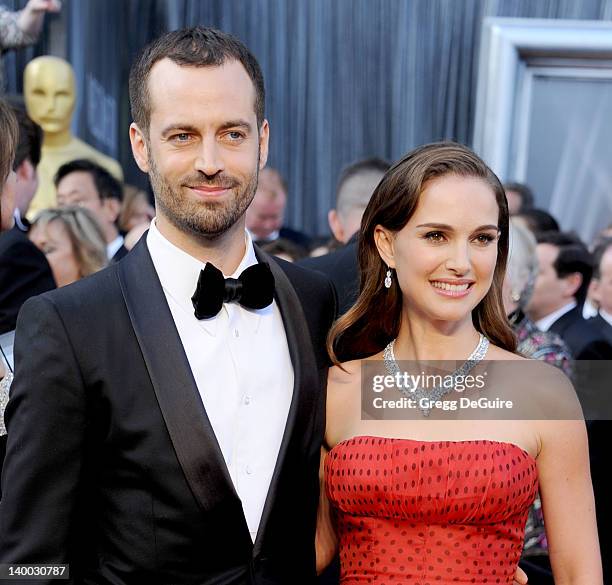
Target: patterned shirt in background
point(5, 385)
point(11, 36)
point(548, 347)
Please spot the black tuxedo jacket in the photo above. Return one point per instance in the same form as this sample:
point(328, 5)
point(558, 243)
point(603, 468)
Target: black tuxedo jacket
point(603, 327)
point(119, 254)
point(342, 268)
point(583, 339)
point(24, 272)
point(112, 464)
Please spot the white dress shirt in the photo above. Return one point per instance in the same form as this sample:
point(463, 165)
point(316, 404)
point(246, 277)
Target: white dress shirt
point(113, 247)
point(545, 323)
point(241, 365)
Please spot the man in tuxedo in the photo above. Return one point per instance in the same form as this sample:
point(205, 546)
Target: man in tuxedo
point(355, 187)
point(165, 423)
point(602, 287)
point(86, 183)
point(565, 270)
point(24, 270)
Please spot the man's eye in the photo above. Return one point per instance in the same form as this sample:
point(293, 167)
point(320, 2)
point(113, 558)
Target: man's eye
point(434, 236)
point(181, 137)
point(235, 135)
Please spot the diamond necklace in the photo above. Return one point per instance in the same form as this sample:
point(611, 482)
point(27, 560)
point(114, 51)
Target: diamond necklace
point(416, 392)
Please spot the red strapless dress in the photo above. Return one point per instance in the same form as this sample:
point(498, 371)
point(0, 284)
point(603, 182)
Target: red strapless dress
point(429, 513)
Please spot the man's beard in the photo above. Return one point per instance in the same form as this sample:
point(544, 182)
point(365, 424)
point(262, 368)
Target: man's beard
point(207, 219)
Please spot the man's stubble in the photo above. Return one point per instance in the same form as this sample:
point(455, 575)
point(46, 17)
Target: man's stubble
point(208, 220)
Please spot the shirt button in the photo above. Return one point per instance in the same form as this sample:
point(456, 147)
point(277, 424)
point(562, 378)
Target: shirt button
point(236, 333)
point(249, 470)
point(247, 400)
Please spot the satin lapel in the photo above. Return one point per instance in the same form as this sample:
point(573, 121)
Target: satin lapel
point(188, 425)
point(305, 383)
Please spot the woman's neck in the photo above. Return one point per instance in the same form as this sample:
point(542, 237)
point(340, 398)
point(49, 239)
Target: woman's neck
point(421, 339)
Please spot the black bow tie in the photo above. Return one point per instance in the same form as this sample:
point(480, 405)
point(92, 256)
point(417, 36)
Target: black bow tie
point(253, 289)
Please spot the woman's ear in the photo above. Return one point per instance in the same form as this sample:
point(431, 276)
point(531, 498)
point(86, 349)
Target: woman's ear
point(384, 240)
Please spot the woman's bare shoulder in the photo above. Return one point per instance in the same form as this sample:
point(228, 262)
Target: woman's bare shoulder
point(346, 373)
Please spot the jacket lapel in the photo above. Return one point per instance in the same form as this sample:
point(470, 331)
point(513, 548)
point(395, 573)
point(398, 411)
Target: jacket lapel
point(188, 425)
point(305, 386)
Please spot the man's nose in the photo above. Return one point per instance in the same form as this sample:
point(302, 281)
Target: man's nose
point(209, 160)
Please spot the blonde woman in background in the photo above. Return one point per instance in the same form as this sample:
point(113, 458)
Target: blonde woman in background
point(135, 210)
point(72, 241)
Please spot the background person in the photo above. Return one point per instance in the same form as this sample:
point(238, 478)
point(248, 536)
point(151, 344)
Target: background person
point(86, 184)
point(135, 209)
point(520, 197)
point(24, 270)
point(565, 270)
point(266, 214)
point(72, 242)
point(9, 136)
point(20, 29)
point(355, 187)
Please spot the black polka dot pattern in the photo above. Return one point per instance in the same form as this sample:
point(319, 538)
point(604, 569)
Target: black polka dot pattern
point(429, 513)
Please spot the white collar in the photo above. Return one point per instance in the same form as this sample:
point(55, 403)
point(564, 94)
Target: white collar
point(271, 237)
point(545, 323)
point(18, 221)
point(607, 317)
point(113, 247)
point(178, 273)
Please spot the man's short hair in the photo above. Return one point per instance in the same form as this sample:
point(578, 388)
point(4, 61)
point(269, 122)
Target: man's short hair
point(191, 47)
point(107, 186)
point(30, 133)
point(538, 220)
point(573, 257)
point(598, 253)
point(367, 165)
point(527, 198)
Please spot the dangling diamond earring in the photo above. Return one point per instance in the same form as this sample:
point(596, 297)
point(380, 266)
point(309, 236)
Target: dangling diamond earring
point(388, 278)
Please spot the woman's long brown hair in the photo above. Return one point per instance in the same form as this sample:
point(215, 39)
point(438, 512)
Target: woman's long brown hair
point(375, 318)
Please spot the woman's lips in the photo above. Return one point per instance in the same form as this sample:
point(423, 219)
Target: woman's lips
point(458, 289)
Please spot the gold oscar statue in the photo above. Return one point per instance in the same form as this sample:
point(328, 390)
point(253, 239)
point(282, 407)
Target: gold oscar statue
point(50, 97)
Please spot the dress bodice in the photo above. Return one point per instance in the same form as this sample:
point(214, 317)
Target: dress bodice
point(417, 512)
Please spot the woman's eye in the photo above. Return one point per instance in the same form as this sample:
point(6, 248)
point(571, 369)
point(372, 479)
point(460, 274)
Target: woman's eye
point(484, 238)
point(434, 236)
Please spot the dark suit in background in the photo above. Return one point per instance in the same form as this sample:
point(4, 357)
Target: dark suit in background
point(602, 326)
point(341, 267)
point(587, 342)
point(583, 339)
point(112, 464)
point(24, 273)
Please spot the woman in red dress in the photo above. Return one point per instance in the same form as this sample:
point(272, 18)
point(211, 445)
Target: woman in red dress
point(424, 493)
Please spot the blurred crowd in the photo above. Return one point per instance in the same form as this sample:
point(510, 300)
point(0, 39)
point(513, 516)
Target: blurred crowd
point(66, 214)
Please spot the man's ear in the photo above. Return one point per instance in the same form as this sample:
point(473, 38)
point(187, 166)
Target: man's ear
point(264, 137)
point(25, 171)
point(140, 150)
point(335, 225)
point(595, 291)
point(112, 208)
point(385, 242)
point(572, 284)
